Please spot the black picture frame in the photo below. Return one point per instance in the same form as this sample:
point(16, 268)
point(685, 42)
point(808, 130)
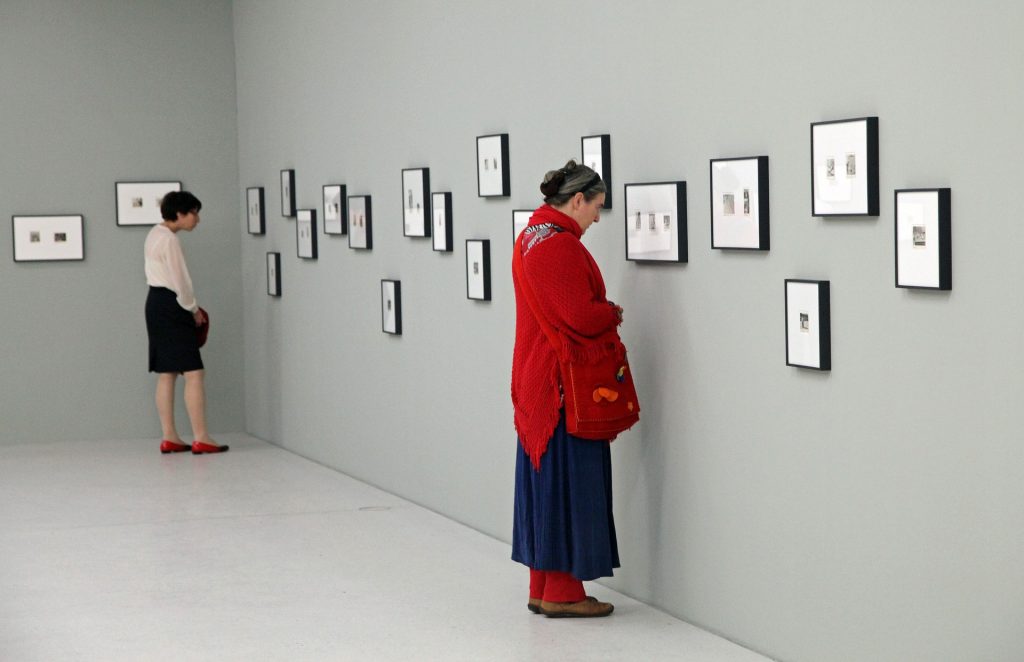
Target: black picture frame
point(924, 237)
point(492, 168)
point(360, 222)
point(288, 193)
point(744, 180)
point(305, 234)
point(48, 237)
point(837, 186)
point(478, 269)
point(138, 202)
point(441, 210)
point(391, 293)
point(601, 145)
point(646, 240)
point(416, 217)
point(520, 219)
point(335, 208)
point(255, 210)
point(808, 324)
point(273, 274)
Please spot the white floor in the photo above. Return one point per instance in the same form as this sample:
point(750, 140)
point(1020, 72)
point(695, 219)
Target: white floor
point(110, 551)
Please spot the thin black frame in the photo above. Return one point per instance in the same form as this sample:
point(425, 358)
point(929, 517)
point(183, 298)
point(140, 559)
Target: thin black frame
point(485, 267)
point(398, 307)
point(447, 206)
point(343, 202)
point(277, 273)
point(248, 214)
point(425, 190)
point(515, 235)
point(506, 187)
point(680, 215)
point(369, 224)
point(606, 163)
point(312, 234)
point(14, 236)
point(945, 255)
point(288, 212)
point(871, 139)
point(764, 235)
point(824, 324)
point(117, 198)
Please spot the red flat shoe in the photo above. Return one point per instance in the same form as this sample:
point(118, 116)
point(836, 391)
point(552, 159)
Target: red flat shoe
point(168, 446)
point(201, 448)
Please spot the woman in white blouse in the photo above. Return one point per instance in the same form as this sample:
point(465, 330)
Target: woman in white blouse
point(172, 316)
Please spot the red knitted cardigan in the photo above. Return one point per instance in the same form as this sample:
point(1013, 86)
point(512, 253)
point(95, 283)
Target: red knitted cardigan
point(570, 293)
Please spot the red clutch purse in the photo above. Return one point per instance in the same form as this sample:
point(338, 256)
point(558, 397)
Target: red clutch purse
point(203, 330)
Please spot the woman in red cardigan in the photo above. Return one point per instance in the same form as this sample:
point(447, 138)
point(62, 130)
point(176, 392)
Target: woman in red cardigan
point(563, 527)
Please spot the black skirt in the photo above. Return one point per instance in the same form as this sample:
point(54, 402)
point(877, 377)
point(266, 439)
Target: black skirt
point(173, 345)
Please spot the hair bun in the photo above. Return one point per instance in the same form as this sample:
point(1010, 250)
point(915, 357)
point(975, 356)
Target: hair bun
point(552, 182)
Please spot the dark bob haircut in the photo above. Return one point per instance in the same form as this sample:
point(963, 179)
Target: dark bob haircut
point(178, 202)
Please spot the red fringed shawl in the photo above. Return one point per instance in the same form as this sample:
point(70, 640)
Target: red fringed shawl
point(571, 294)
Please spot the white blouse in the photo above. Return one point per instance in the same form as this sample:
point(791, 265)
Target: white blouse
point(165, 266)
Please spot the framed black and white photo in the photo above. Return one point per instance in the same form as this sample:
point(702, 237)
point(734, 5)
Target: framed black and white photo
point(274, 274)
point(441, 208)
point(305, 233)
point(844, 167)
point(254, 210)
point(924, 255)
point(391, 306)
point(656, 222)
point(520, 219)
point(478, 269)
point(597, 155)
point(288, 193)
point(739, 203)
point(138, 203)
point(360, 222)
point(48, 238)
point(415, 203)
point(492, 174)
point(335, 209)
point(808, 324)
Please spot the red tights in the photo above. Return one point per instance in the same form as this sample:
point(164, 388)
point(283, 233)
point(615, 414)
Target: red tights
point(554, 586)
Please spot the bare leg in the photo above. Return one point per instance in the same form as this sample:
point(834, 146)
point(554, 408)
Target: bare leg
point(165, 404)
point(195, 403)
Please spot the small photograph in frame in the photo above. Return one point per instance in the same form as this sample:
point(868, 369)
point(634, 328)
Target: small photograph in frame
point(335, 209)
point(254, 210)
point(844, 167)
point(656, 222)
point(739, 203)
point(391, 306)
point(597, 155)
point(274, 274)
point(49, 238)
point(520, 219)
point(808, 324)
point(441, 209)
point(305, 233)
point(492, 170)
point(138, 203)
point(360, 222)
point(415, 202)
point(924, 255)
point(288, 193)
point(478, 269)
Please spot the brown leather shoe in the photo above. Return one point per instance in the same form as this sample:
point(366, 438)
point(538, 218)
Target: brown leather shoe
point(589, 608)
point(534, 605)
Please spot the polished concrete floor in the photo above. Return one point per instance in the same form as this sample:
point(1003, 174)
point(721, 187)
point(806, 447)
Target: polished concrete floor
point(110, 551)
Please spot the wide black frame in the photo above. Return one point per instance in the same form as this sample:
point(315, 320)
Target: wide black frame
point(446, 235)
point(343, 206)
point(945, 252)
point(276, 258)
point(288, 207)
point(367, 223)
point(763, 228)
point(117, 200)
point(398, 307)
point(14, 237)
point(606, 163)
point(683, 243)
point(506, 179)
point(424, 182)
point(871, 147)
point(485, 267)
point(262, 216)
point(312, 233)
point(824, 323)
point(515, 235)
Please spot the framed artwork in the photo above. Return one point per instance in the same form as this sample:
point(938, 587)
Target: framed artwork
point(844, 167)
point(656, 222)
point(415, 210)
point(391, 306)
point(441, 207)
point(520, 219)
point(288, 193)
point(597, 155)
point(360, 222)
point(274, 274)
point(48, 238)
point(305, 233)
point(924, 256)
point(254, 210)
point(808, 324)
point(335, 209)
point(138, 203)
point(492, 175)
point(478, 269)
point(739, 203)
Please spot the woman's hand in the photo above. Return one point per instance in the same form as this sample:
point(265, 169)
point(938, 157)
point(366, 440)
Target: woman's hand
point(199, 317)
point(618, 310)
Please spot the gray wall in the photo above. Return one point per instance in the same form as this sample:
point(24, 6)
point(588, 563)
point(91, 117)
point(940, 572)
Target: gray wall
point(94, 93)
point(872, 513)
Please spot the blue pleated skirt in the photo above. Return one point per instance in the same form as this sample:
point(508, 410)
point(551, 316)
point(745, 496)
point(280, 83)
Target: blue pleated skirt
point(563, 513)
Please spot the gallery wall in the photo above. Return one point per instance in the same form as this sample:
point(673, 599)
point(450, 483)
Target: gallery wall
point(867, 513)
point(95, 93)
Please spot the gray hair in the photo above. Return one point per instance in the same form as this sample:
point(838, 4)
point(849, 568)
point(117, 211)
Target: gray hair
point(559, 186)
